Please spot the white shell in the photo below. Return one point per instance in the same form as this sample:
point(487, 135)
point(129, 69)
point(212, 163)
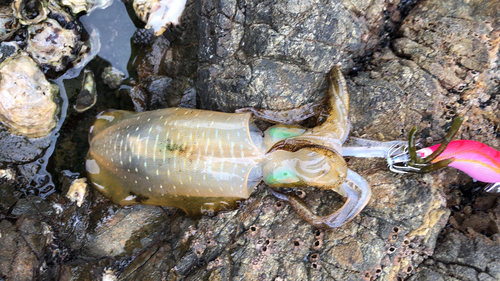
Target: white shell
point(159, 14)
point(87, 6)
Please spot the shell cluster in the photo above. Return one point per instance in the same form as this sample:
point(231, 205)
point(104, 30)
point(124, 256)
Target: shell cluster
point(47, 41)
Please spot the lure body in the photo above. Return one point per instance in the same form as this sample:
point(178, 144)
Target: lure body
point(476, 159)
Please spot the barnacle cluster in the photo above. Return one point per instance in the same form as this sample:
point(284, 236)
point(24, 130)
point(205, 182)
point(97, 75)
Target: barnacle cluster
point(403, 252)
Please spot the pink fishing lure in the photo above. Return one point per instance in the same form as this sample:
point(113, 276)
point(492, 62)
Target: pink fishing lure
point(478, 160)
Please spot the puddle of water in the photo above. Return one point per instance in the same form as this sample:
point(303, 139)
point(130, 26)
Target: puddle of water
point(115, 30)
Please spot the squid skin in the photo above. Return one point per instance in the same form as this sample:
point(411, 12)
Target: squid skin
point(476, 159)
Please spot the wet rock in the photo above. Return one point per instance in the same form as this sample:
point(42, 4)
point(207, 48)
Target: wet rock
point(473, 46)
point(27, 104)
point(34, 205)
point(401, 88)
point(8, 197)
point(17, 260)
point(122, 231)
point(251, 54)
point(459, 255)
point(19, 149)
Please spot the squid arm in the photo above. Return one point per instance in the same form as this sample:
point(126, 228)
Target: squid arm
point(355, 189)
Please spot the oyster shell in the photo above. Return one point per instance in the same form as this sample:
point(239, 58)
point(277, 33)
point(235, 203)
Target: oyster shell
point(49, 44)
point(27, 104)
point(112, 77)
point(87, 6)
point(159, 14)
point(30, 11)
point(88, 94)
point(8, 23)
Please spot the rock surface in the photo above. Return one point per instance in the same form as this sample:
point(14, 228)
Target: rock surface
point(275, 55)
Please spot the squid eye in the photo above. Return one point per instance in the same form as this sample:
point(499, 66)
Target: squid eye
point(282, 176)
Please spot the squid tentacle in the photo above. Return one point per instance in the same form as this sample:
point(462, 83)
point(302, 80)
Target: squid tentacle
point(355, 189)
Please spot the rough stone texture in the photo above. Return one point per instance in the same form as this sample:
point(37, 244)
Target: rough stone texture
point(459, 257)
point(251, 53)
point(414, 81)
point(20, 149)
point(22, 247)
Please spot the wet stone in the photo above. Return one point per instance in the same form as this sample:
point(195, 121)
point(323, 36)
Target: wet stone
point(470, 258)
point(17, 259)
point(124, 232)
point(35, 232)
point(33, 205)
point(19, 149)
point(8, 197)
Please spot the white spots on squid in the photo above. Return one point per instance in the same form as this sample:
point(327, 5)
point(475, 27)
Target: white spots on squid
point(157, 172)
point(149, 119)
point(150, 189)
point(137, 128)
point(147, 178)
point(220, 148)
point(146, 165)
point(154, 149)
point(130, 159)
point(145, 148)
point(136, 170)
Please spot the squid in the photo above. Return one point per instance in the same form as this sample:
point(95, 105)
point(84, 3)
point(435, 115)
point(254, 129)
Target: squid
point(204, 162)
